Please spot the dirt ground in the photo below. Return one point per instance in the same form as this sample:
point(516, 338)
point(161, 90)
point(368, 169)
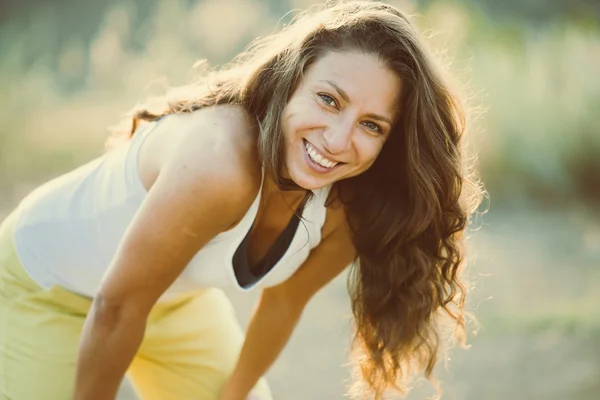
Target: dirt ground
point(536, 294)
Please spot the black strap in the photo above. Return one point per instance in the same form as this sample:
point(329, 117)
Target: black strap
point(248, 275)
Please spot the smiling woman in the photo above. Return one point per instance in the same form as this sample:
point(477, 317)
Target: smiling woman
point(338, 118)
point(340, 123)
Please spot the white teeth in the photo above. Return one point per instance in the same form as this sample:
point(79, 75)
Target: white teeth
point(316, 157)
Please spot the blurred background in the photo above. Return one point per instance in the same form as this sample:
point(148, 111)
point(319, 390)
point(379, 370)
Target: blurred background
point(69, 69)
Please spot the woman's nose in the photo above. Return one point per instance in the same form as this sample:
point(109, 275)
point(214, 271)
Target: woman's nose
point(338, 138)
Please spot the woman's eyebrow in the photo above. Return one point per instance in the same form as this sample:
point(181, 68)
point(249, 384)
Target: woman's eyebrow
point(340, 91)
point(346, 98)
point(379, 118)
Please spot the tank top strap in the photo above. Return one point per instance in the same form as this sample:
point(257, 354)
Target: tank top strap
point(132, 156)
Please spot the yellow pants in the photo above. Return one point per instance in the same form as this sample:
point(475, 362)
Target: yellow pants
point(189, 349)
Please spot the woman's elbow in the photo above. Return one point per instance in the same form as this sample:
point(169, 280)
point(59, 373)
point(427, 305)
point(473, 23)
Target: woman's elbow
point(283, 302)
point(108, 311)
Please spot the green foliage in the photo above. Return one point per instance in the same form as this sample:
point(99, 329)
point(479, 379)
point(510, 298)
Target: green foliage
point(543, 97)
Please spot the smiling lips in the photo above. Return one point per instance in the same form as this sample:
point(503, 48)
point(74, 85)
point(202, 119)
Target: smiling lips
point(314, 155)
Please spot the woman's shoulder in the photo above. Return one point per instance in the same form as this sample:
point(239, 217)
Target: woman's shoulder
point(213, 143)
point(226, 128)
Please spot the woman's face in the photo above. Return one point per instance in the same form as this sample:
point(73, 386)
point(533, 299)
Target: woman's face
point(338, 119)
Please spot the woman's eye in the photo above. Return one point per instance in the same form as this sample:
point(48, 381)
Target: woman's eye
point(327, 99)
point(373, 126)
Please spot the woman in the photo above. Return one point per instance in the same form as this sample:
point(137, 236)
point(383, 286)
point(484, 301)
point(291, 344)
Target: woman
point(333, 141)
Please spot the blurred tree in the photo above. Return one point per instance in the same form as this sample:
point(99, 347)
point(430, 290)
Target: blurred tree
point(539, 11)
point(84, 15)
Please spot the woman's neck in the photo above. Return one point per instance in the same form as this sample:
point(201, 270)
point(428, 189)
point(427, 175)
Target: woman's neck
point(272, 193)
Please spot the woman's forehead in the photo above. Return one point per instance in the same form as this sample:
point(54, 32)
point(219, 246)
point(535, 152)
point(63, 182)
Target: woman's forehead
point(361, 77)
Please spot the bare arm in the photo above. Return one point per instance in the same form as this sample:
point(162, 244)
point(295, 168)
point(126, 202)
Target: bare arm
point(280, 307)
point(199, 192)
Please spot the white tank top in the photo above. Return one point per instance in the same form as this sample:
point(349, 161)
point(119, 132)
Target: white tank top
point(68, 230)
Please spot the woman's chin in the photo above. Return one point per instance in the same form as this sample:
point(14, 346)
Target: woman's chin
point(308, 179)
point(308, 182)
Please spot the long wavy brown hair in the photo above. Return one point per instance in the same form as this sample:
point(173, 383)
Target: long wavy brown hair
point(407, 213)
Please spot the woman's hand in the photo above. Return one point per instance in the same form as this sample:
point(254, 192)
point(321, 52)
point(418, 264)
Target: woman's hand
point(251, 396)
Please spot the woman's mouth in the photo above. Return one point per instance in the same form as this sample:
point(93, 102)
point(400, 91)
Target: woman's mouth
point(316, 161)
